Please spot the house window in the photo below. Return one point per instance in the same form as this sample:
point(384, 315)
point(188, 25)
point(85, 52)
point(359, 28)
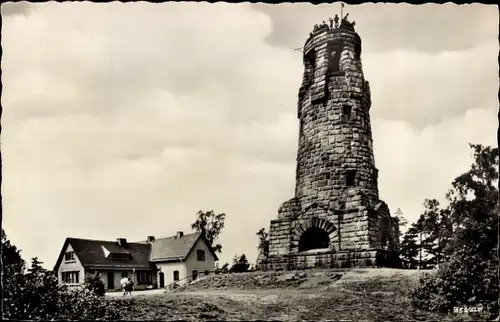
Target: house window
point(207, 272)
point(69, 256)
point(176, 276)
point(195, 275)
point(350, 176)
point(70, 277)
point(144, 278)
point(200, 254)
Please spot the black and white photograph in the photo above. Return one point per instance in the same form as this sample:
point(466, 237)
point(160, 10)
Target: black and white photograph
point(222, 161)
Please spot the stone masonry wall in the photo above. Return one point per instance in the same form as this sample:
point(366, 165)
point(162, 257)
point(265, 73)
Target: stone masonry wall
point(279, 237)
point(336, 178)
point(335, 131)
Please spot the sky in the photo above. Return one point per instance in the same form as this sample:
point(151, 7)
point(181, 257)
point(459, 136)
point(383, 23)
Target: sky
point(125, 120)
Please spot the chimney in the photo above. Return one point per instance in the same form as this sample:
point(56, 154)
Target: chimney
point(179, 234)
point(151, 239)
point(121, 241)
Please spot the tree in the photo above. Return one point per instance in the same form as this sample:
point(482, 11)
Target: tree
point(94, 283)
point(41, 291)
point(34, 294)
point(468, 273)
point(430, 234)
point(13, 279)
point(438, 229)
point(240, 265)
point(263, 242)
point(409, 249)
point(10, 254)
point(222, 270)
point(210, 224)
point(400, 220)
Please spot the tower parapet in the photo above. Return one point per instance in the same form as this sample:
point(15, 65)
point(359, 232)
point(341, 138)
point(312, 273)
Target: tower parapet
point(336, 208)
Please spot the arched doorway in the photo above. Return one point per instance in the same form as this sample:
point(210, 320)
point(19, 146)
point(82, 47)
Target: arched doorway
point(314, 238)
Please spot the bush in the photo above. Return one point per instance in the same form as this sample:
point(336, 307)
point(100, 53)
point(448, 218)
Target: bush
point(84, 304)
point(36, 295)
point(466, 279)
point(94, 283)
point(240, 265)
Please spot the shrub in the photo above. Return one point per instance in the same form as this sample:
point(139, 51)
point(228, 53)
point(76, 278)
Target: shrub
point(36, 295)
point(84, 304)
point(466, 279)
point(240, 265)
point(94, 283)
point(29, 295)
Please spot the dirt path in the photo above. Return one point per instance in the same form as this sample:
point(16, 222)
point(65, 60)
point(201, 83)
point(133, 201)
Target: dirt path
point(261, 296)
point(137, 293)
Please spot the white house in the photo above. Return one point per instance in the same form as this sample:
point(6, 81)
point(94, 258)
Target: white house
point(151, 263)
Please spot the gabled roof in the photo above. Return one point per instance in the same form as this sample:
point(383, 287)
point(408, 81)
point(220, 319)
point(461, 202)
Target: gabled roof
point(92, 255)
point(174, 248)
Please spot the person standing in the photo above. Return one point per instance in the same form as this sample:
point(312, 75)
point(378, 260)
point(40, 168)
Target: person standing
point(130, 286)
point(124, 282)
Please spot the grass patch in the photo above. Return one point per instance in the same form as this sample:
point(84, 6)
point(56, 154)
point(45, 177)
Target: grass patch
point(372, 298)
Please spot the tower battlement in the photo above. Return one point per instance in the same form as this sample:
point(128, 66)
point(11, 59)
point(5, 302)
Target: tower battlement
point(336, 192)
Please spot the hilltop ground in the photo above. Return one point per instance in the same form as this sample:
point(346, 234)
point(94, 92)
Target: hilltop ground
point(359, 294)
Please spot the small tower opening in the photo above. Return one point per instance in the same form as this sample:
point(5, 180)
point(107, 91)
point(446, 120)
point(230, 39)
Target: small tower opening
point(357, 51)
point(346, 112)
point(350, 178)
point(334, 51)
point(310, 67)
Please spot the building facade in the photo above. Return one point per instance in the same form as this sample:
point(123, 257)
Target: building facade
point(336, 218)
point(154, 263)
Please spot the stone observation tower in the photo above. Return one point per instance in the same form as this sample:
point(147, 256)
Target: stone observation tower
point(336, 218)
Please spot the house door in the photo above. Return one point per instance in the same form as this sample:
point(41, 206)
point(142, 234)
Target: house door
point(162, 279)
point(111, 280)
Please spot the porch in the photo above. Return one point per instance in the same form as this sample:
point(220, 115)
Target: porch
point(143, 279)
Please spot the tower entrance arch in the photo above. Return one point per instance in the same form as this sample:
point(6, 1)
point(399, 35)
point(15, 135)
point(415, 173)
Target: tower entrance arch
point(314, 238)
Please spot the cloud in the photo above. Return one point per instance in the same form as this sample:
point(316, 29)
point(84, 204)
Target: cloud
point(16, 8)
point(117, 127)
point(431, 88)
point(385, 27)
point(426, 69)
point(418, 164)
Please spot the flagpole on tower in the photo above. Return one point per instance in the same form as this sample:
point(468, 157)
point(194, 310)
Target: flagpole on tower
point(341, 10)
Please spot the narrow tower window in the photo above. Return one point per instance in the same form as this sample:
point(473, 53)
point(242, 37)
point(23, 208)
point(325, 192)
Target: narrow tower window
point(346, 112)
point(310, 66)
point(357, 51)
point(350, 176)
point(333, 59)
